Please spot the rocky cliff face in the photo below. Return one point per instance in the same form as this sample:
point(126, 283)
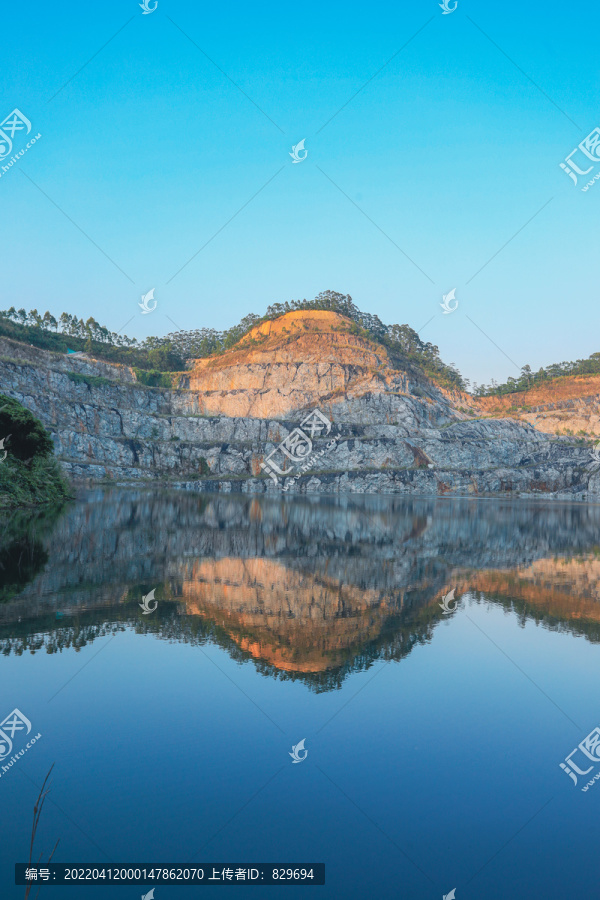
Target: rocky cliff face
point(568, 405)
point(392, 429)
point(300, 361)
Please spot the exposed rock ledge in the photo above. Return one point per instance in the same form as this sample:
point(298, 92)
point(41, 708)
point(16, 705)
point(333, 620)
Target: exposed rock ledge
point(395, 431)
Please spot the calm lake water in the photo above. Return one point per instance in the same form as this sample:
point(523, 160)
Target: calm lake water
point(434, 739)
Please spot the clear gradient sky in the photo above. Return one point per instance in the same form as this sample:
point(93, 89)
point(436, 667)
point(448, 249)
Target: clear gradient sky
point(447, 153)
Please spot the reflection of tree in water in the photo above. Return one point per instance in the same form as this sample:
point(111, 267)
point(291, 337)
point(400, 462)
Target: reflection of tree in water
point(401, 632)
point(550, 620)
point(22, 553)
point(20, 561)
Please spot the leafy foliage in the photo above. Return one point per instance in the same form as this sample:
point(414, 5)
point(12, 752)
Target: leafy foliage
point(529, 379)
point(28, 437)
point(401, 340)
point(153, 378)
point(168, 354)
point(71, 333)
point(90, 380)
point(30, 474)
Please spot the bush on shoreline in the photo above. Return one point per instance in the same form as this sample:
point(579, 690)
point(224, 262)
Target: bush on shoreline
point(29, 472)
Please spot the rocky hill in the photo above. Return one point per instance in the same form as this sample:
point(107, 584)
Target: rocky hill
point(567, 405)
point(299, 361)
point(383, 425)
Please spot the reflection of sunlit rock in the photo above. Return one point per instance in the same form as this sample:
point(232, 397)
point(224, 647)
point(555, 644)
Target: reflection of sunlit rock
point(309, 588)
point(293, 620)
point(563, 589)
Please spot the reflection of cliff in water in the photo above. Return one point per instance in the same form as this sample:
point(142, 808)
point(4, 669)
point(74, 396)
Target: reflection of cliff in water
point(562, 593)
point(309, 588)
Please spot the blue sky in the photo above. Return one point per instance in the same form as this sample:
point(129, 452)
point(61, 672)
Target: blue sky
point(445, 164)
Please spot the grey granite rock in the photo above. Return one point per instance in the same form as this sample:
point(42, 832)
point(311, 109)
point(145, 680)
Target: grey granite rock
point(106, 427)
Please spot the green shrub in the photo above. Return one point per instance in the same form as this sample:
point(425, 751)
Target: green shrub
point(153, 378)
point(29, 475)
point(28, 437)
point(90, 380)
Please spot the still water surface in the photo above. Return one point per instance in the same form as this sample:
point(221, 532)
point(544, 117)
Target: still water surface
point(434, 740)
